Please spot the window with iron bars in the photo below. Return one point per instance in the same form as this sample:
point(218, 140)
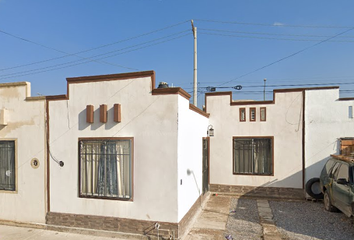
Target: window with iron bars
point(106, 168)
point(7, 166)
point(253, 156)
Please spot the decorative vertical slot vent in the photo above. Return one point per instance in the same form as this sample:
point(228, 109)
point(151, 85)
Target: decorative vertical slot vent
point(89, 113)
point(103, 113)
point(252, 114)
point(117, 113)
point(242, 114)
point(263, 113)
point(3, 117)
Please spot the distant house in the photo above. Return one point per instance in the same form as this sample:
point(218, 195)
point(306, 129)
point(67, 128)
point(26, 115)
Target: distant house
point(130, 154)
point(23, 162)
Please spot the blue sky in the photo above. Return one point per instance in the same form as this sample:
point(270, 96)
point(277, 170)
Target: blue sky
point(291, 43)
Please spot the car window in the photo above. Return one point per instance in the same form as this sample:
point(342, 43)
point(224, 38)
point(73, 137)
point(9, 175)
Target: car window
point(334, 170)
point(329, 165)
point(343, 172)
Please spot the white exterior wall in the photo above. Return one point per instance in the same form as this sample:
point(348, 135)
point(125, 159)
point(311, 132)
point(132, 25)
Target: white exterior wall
point(326, 120)
point(192, 127)
point(150, 119)
point(26, 125)
point(283, 122)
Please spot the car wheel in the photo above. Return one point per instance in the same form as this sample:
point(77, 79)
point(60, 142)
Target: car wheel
point(327, 203)
point(313, 188)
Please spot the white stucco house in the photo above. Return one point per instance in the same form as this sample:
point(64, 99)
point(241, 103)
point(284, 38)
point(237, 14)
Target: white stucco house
point(116, 153)
point(275, 146)
point(124, 155)
point(256, 143)
point(23, 161)
point(328, 120)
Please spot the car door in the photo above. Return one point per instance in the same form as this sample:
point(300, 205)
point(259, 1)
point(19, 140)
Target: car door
point(325, 177)
point(341, 189)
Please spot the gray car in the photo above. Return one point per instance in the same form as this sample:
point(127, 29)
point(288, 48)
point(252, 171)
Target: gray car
point(337, 185)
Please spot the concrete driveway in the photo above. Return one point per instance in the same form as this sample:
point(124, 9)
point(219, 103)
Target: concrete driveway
point(215, 221)
point(230, 217)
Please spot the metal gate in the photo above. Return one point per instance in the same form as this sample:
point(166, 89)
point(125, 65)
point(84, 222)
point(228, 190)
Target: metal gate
point(205, 165)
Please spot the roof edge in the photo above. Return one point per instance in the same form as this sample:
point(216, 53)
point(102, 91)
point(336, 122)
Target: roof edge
point(171, 90)
point(198, 110)
point(110, 77)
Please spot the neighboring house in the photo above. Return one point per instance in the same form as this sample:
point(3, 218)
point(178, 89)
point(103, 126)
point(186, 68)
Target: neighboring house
point(23, 163)
point(124, 155)
point(256, 143)
point(329, 124)
point(275, 146)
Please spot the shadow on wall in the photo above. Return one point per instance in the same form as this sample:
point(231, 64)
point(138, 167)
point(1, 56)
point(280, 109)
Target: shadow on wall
point(314, 170)
point(82, 120)
point(83, 124)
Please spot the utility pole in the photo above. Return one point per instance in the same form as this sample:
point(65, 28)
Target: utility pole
point(265, 80)
point(195, 88)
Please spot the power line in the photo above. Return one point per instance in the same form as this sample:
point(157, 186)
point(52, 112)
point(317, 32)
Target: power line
point(57, 50)
point(289, 56)
point(304, 84)
point(217, 32)
point(57, 67)
point(271, 25)
point(278, 85)
point(270, 38)
point(78, 62)
point(314, 78)
point(271, 34)
point(84, 51)
point(94, 58)
point(349, 78)
point(30, 41)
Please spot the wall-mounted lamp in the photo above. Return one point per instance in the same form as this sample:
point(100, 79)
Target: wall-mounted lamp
point(210, 131)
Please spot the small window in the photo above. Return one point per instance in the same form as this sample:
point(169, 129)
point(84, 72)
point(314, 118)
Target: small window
point(329, 165)
point(263, 114)
point(334, 170)
point(106, 168)
point(252, 114)
point(350, 111)
point(343, 172)
point(253, 156)
point(7, 165)
point(242, 114)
